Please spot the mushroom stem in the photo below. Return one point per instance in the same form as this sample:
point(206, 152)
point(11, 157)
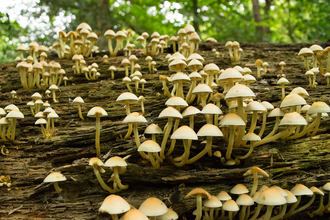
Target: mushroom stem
point(173, 141)
point(315, 124)
point(53, 127)
point(185, 155)
point(155, 163)
point(247, 155)
point(114, 217)
point(54, 96)
point(79, 112)
point(13, 129)
point(97, 135)
point(199, 207)
point(254, 217)
point(57, 188)
point(263, 126)
point(137, 140)
point(43, 130)
point(230, 141)
point(207, 148)
point(293, 207)
point(277, 122)
point(320, 209)
point(99, 178)
point(117, 179)
point(165, 137)
point(302, 208)
point(281, 214)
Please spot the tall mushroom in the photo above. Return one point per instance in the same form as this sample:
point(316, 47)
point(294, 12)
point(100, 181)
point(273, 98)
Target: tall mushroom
point(97, 112)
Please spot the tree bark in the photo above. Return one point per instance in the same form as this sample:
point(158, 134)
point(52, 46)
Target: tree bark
point(102, 22)
point(196, 16)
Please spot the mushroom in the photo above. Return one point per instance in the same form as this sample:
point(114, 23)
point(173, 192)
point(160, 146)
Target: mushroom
point(14, 115)
point(199, 193)
point(112, 70)
point(114, 205)
point(55, 177)
point(96, 163)
point(255, 171)
point(110, 34)
point(305, 52)
point(245, 202)
point(79, 102)
point(230, 206)
point(282, 81)
point(152, 148)
point(51, 116)
point(42, 122)
point(53, 88)
point(118, 166)
point(258, 64)
point(153, 207)
point(97, 112)
point(212, 204)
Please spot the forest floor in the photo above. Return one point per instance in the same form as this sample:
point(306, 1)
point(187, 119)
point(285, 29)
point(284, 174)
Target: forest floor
point(31, 157)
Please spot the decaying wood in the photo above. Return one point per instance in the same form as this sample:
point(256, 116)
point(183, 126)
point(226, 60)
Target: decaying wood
point(31, 157)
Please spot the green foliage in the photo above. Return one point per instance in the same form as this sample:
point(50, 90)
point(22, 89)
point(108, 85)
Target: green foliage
point(289, 21)
point(9, 32)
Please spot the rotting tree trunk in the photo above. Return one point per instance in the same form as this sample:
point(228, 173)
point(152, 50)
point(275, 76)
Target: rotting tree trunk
point(31, 157)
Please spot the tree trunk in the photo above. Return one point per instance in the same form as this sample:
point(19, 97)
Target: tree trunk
point(196, 16)
point(102, 22)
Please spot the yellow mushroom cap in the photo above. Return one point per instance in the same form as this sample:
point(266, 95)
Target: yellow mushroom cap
point(114, 204)
point(54, 177)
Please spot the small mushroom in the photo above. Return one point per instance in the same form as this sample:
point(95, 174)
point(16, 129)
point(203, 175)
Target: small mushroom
point(54, 178)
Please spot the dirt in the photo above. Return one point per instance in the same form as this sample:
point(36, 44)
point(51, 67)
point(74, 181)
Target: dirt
point(31, 157)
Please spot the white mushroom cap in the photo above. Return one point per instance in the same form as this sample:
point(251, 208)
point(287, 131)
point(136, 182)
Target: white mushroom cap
point(114, 204)
point(54, 177)
point(153, 207)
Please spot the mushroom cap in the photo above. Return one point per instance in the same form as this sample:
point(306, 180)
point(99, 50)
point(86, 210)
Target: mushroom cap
point(115, 161)
point(10, 107)
point(267, 105)
point(301, 190)
point(176, 101)
point(290, 198)
point(180, 77)
point(184, 132)
point(239, 189)
point(202, 88)
point(97, 111)
point(109, 34)
point(4, 121)
point(169, 215)
point(209, 130)
point(52, 115)
point(79, 100)
point(195, 56)
point(3, 112)
point(198, 191)
point(211, 109)
point(256, 170)
point(239, 91)
point(53, 87)
point(293, 118)
point(153, 129)
point(248, 78)
point(293, 99)
point(149, 146)
point(196, 75)
point(255, 106)
point(211, 68)
point(271, 197)
point(195, 64)
point(283, 81)
point(212, 202)
point(305, 52)
point(305, 108)
point(134, 214)
point(230, 206)
point(177, 63)
point(36, 96)
point(231, 119)
point(114, 204)
point(30, 103)
point(127, 98)
point(223, 196)
point(54, 177)
point(133, 58)
point(244, 199)
point(276, 113)
point(95, 161)
point(126, 79)
point(230, 74)
point(134, 117)
point(41, 121)
point(190, 110)
point(251, 137)
point(170, 112)
point(318, 107)
point(125, 62)
point(316, 48)
point(49, 110)
point(153, 207)
point(15, 114)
